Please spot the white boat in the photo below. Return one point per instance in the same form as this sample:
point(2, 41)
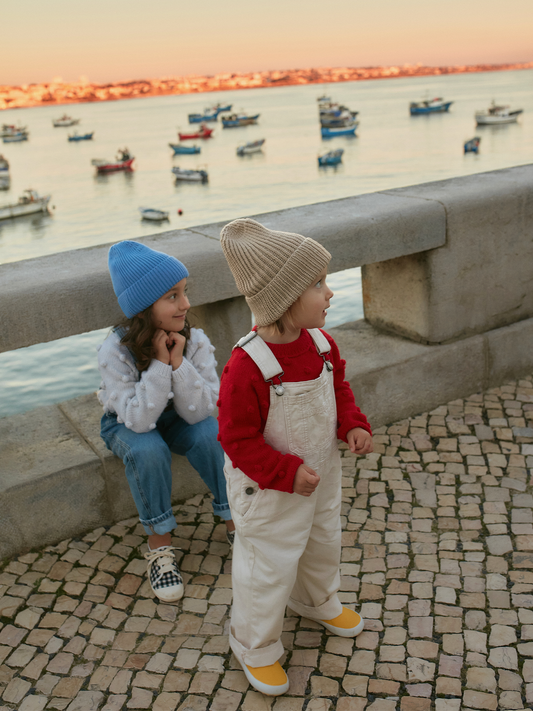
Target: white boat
point(250, 147)
point(197, 176)
point(28, 203)
point(5, 179)
point(65, 121)
point(12, 130)
point(16, 137)
point(496, 115)
point(151, 213)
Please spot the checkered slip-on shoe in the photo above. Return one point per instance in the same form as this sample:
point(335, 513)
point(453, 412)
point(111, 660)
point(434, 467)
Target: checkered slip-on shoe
point(164, 574)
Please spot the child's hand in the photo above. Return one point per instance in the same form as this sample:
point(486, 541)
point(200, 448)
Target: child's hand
point(159, 343)
point(305, 480)
point(176, 345)
point(360, 441)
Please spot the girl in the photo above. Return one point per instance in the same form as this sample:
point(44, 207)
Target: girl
point(159, 385)
point(283, 403)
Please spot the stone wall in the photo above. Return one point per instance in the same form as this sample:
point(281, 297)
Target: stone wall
point(448, 299)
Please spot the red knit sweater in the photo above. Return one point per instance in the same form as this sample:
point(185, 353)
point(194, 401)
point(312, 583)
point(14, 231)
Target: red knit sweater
point(245, 401)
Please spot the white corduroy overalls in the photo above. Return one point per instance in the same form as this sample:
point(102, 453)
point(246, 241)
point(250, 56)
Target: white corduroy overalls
point(287, 547)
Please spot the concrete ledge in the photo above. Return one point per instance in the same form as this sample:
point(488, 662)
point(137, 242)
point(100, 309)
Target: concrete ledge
point(394, 378)
point(76, 284)
point(59, 480)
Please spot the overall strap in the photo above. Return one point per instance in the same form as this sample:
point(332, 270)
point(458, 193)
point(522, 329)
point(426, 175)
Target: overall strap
point(321, 342)
point(261, 354)
point(322, 345)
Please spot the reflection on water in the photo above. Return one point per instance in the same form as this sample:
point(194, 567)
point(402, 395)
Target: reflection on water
point(34, 225)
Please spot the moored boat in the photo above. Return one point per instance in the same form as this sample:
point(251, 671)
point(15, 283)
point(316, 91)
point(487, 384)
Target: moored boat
point(5, 178)
point(429, 106)
point(333, 115)
point(180, 149)
point(200, 118)
point(153, 214)
point(81, 136)
point(472, 145)
point(339, 131)
point(203, 132)
point(123, 161)
point(236, 120)
point(29, 202)
point(497, 114)
point(195, 176)
point(65, 121)
point(250, 147)
point(16, 137)
point(331, 157)
point(9, 129)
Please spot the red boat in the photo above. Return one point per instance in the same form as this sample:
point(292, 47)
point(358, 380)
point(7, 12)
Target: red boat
point(203, 132)
point(123, 161)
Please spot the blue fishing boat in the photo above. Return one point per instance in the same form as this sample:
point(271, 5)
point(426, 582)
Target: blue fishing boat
point(429, 106)
point(331, 158)
point(341, 131)
point(236, 120)
point(472, 146)
point(180, 149)
point(200, 118)
point(81, 137)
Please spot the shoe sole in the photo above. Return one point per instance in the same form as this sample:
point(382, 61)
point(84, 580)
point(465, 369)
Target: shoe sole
point(343, 632)
point(266, 689)
point(174, 598)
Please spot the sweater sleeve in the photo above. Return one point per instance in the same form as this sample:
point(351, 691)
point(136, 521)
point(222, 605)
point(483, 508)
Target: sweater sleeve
point(241, 427)
point(137, 401)
point(348, 414)
point(195, 383)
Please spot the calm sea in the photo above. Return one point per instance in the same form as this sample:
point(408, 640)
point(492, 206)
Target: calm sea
point(391, 150)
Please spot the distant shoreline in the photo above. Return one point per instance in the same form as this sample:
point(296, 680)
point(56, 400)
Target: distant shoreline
point(62, 93)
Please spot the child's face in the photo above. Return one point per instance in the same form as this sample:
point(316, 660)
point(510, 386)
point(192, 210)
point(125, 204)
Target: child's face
point(310, 309)
point(170, 310)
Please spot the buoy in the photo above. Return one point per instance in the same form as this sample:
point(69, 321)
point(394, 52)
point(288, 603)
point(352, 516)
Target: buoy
point(180, 212)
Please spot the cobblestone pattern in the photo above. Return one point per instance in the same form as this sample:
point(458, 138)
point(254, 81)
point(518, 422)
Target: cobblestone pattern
point(437, 554)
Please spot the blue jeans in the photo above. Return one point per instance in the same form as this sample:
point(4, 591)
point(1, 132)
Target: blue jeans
point(147, 457)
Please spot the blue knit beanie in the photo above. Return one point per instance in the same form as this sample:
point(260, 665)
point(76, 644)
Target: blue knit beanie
point(141, 275)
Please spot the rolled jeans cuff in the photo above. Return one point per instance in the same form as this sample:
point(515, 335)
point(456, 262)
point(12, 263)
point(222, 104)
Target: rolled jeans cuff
point(222, 510)
point(263, 657)
point(161, 524)
point(327, 611)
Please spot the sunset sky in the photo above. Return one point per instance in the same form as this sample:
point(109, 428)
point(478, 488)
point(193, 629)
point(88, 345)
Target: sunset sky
point(115, 40)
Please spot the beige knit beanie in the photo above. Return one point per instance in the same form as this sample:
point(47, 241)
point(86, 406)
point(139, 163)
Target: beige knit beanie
point(272, 269)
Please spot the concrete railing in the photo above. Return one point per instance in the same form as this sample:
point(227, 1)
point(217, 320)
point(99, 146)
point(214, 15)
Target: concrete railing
point(448, 299)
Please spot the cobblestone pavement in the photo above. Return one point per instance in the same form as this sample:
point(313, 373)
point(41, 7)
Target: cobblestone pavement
point(437, 555)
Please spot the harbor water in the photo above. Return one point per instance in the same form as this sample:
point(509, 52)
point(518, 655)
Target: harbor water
point(391, 149)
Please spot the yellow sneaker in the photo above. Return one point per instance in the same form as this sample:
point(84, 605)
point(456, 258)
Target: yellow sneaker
point(270, 680)
point(347, 624)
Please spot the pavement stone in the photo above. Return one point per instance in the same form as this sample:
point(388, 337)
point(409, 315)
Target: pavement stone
point(437, 533)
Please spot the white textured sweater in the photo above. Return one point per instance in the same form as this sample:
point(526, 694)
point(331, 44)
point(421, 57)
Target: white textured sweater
point(138, 399)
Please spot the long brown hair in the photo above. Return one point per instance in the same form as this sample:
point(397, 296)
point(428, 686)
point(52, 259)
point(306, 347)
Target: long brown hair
point(137, 334)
